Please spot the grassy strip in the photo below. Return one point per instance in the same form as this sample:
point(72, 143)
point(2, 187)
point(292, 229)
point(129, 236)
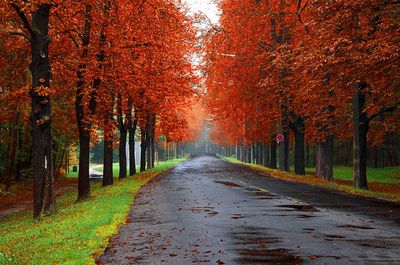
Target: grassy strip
point(388, 175)
point(99, 168)
point(311, 179)
point(79, 231)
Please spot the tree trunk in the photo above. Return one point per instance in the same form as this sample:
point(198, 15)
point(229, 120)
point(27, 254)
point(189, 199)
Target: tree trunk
point(260, 153)
point(299, 161)
point(143, 146)
point(131, 124)
point(284, 150)
point(248, 154)
point(132, 162)
point(266, 159)
point(150, 141)
point(108, 177)
point(236, 152)
point(150, 123)
point(273, 160)
point(43, 175)
point(122, 153)
point(324, 157)
point(83, 128)
point(360, 130)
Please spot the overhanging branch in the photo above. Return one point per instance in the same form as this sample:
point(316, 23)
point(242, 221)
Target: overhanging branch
point(24, 19)
point(383, 111)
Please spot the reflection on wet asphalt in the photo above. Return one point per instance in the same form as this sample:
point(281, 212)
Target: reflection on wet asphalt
point(207, 211)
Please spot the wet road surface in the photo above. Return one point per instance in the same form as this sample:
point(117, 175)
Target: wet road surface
point(208, 211)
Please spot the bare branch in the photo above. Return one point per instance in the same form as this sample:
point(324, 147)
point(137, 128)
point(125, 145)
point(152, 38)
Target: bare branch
point(68, 31)
point(383, 111)
point(16, 33)
point(24, 19)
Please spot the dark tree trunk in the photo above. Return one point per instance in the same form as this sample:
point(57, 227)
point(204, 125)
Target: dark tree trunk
point(299, 161)
point(273, 160)
point(83, 174)
point(43, 175)
point(132, 131)
point(123, 132)
point(122, 153)
point(143, 147)
point(59, 150)
point(248, 154)
point(83, 128)
point(324, 159)
point(149, 141)
point(149, 145)
point(242, 153)
point(266, 159)
point(260, 153)
point(254, 153)
point(284, 149)
point(108, 177)
point(152, 142)
point(360, 130)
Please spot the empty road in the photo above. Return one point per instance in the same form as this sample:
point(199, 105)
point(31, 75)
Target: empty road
point(208, 211)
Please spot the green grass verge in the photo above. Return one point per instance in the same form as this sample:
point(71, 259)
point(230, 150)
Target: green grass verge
point(99, 168)
point(78, 231)
point(389, 176)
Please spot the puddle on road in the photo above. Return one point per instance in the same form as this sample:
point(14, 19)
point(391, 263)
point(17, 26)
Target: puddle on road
point(300, 207)
point(237, 216)
point(305, 216)
point(377, 243)
point(355, 226)
point(331, 237)
point(254, 246)
point(318, 257)
point(268, 256)
point(309, 230)
point(261, 194)
point(229, 183)
point(208, 210)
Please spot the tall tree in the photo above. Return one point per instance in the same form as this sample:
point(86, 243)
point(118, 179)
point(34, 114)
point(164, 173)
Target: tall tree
point(38, 30)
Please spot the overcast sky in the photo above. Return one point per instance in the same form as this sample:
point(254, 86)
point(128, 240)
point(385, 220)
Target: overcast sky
point(205, 6)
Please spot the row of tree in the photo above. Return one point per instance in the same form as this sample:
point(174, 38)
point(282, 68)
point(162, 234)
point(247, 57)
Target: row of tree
point(93, 69)
point(311, 71)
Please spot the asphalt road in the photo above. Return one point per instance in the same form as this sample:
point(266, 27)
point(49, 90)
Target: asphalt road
point(208, 211)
